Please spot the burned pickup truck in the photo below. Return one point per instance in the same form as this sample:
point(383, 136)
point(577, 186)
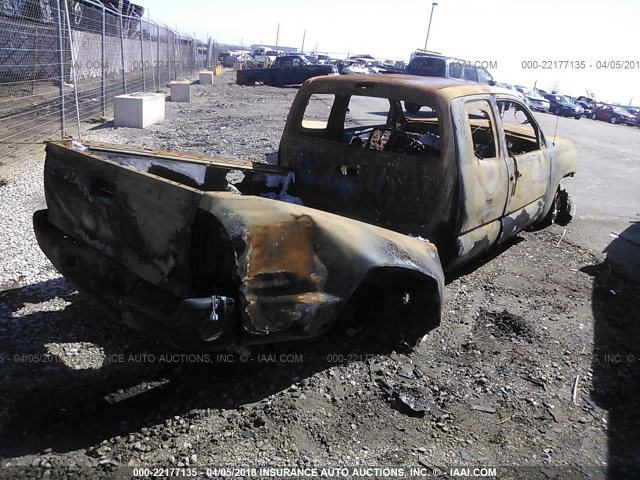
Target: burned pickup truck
point(212, 253)
point(289, 69)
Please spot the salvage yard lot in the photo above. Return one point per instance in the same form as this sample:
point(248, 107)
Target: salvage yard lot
point(535, 363)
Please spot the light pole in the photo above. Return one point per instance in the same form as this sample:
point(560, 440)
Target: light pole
point(433, 5)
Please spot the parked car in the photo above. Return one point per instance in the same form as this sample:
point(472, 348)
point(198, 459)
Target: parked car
point(513, 89)
point(264, 55)
point(535, 100)
point(292, 69)
point(561, 105)
point(613, 114)
point(177, 247)
point(632, 109)
point(586, 103)
point(437, 65)
point(355, 67)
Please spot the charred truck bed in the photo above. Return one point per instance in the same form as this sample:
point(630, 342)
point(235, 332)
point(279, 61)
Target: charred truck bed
point(210, 253)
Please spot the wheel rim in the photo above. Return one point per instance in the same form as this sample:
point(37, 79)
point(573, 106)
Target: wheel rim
point(613, 120)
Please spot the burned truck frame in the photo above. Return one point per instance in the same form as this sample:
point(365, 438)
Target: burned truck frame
point(212, 253)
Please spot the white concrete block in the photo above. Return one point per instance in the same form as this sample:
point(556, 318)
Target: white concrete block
point(180, 90)
point(206, 78)
point(138, 110)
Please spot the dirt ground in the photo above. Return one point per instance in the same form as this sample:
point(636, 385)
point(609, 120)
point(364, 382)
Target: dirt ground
point(533, 371)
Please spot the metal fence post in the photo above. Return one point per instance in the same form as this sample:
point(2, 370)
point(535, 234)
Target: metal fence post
point(63, 127)
point(74, 73)
point(158, 53)
point(168, 57)
point(144, 83)
point(104, 62)
point(180, 56)
point(153, 71)
point(124, 73)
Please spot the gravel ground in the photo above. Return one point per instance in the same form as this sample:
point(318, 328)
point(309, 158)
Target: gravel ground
point(533, 370)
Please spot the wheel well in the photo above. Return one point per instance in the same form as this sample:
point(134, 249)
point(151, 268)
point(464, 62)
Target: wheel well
point(393, 304)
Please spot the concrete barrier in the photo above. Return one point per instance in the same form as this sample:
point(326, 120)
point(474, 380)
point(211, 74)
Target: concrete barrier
point(138, 110)
point(206, 78)
point(180, 90)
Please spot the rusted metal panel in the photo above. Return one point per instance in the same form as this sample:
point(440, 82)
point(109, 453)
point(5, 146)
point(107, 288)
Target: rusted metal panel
point(298, 266)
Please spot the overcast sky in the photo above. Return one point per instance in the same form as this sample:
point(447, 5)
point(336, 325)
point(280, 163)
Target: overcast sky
point(506, 32)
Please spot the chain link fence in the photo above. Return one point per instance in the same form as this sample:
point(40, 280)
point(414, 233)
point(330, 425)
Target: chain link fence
point(63, 62)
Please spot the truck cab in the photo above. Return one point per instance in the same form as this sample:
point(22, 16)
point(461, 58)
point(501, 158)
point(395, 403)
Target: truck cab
point(457, 173)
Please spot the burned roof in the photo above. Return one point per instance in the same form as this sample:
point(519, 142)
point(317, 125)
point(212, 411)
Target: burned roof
point(399, 86)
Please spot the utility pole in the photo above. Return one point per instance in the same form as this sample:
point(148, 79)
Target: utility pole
point(433, 5)
point(303, 37)
point(278, 35)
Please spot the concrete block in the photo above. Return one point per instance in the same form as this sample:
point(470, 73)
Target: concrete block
point(206, 78)
point(180, 90)
point(138, 110)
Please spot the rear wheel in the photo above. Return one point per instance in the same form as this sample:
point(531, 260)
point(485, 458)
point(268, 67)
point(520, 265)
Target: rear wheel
point(613, 120)
point(557, 111)
point(593, 116)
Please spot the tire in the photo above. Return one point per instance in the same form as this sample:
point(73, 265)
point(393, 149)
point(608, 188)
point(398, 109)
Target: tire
point(565, 208)
point(412, 107)
point(594, 116)
point(613, 120)
point(557, 111)
point(578, 117)
point(561, 212)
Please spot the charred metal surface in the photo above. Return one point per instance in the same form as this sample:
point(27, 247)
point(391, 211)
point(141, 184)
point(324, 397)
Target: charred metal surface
point(162, 241)
point(301, 265)
point(209, 253)
point(463, 201)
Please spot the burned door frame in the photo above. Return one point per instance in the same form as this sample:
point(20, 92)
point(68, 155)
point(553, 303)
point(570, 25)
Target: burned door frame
point(484, 182)
point(529, 177)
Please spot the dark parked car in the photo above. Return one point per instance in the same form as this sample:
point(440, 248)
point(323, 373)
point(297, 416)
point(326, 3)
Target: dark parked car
point(292, 69)
point(613, 114)
point(561, 105)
